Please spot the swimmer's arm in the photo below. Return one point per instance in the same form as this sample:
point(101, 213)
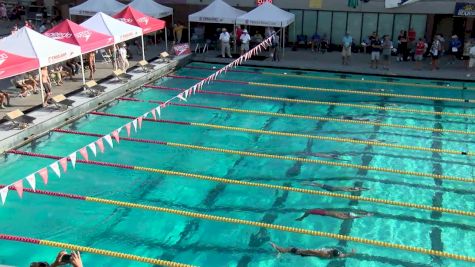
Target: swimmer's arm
point(343, 255)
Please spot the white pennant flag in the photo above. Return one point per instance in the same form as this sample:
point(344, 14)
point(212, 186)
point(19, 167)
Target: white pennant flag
point(32, 181)
point(73, 159)
point(146, 114)
point(55, 167)
point(3, 194)
point(193, 89)
point(134, 123)
point(180, 96)
point(118, 131)
point(186, 93)
point(92, 146)
point(159, 112)
point(109, 140)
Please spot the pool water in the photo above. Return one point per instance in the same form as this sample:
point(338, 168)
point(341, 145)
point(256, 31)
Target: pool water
point(210, 243)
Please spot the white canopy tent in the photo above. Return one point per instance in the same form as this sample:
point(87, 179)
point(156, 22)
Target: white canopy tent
point(108, 25)
point(216, 12)
point(153, 9)
point(91, 7)
point(32, 44)
point(268, 15)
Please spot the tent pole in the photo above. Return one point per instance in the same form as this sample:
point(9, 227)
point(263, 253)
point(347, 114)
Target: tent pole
point(116, 64)
point(235, 38)
point(82, 70)
point(189, 34)
point(166, 39)
point(283, 41)
point(41, 86)
point(143, 49)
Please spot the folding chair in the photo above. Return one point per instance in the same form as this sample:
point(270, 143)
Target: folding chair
point(19, 119)
point(61, 102)
point(165, 57)
point(121, 75)
point(105, 56)
point(93, 89)
point(146, 67)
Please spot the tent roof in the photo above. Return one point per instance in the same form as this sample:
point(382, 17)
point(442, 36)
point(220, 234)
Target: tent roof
point(152, 8)
point(72, 33)
point(267, 14)
point(133, 17)
point(217, 12)
point(11, 64)
point(29, 43)
point(107, 25)
point(91, 7)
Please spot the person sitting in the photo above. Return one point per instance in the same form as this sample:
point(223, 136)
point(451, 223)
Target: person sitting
point(56, 75)
point(337, 188)
point(335, 214)
point(25, 88)
point(4, 99)
point(325, 253)
point(324, 44)
point(316, 42)
point(62, 259)
point(74, 65)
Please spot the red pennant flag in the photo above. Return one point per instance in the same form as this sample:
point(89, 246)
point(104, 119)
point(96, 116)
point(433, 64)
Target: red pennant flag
point(83, 152)
point(19, 187)
point(44, 174)
point(140, 122)
point(64, 164)
point(153, 114)
point(100, 144)
point(115, 134)
point(127, 127)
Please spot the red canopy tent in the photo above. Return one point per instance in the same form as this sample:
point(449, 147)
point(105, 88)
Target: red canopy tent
point(72, 33)
point(136, 18)
point(11, 64)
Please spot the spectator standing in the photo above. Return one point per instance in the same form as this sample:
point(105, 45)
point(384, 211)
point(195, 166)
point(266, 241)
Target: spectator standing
point(466, 52)
point(275, 46)
point(375, 51)
point(387, 47)
point(411, 35)
point(454, 48)
point(346, 41)
point(239, 32)
point(91, 58)
point(315, 42)
point(245, 38)
point(402, 41)
point(224, 37)
point(178, 32)
point(46, 82)
point(435, 51)
point(123, 57)
point(421, 48)
point(472, 55)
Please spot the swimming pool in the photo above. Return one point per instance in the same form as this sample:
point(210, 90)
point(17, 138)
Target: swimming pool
point(276, 102)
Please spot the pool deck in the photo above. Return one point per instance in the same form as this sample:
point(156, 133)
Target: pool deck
point(305, 59)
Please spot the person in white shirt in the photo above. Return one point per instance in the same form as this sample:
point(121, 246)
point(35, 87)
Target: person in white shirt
point(123, 57)
point(245, 39)
point(224, 37)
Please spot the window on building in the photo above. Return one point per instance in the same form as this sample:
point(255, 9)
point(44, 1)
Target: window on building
point(309, 23)
point(370, 24)
point(418, 22)
point(338, 27)
point(298, 25)
point(385, 25)
point(354, 26)
point(401, 22)
point(324, 23)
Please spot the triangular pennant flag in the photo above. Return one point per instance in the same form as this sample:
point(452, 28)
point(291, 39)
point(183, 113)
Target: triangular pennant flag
point(73, 159)
point(100, 144)
point(92, 147)
point(127, 127)
point(159, 112)
point(119, 129)
point(44, 174)
point(180, 96)
point(109, 140)
point(154, 115)
point(193, 89)
point(3, 194)
point(19, 187)
point(134, 123)
point(115, 134)
point(139, 119)
point(55, 167)
point(186, 93)
point(145, 115)
point(83, 152)
point(32, 181)
point(64, 164)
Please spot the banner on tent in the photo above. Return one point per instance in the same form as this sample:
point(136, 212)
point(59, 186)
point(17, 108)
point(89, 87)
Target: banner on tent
point(3, 58)
point(260, 2)
point(464, 10)
point(59, 35)
point(210, 19)
point(181, 49)
point(398, 3)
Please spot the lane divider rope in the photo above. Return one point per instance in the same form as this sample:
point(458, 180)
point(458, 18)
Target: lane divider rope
point(286, 134)
point(341, 91)
point(102, 252)
point(257, 224)
point(341, 79)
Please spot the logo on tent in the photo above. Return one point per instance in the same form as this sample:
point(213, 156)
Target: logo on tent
point(84, 34)
point(143, 20)
point(3, 58)
point(56, 58)
point(126, 20)
point(59, 35)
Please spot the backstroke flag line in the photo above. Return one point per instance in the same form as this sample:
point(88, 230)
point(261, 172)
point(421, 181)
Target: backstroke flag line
point(398, 3)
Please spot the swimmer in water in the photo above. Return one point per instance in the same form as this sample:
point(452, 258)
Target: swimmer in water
point(356, 118)
point(324, 253)
point(338, 188)
point(336, 214)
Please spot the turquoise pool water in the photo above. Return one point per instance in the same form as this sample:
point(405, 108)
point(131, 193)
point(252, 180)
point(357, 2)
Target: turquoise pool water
point(207, 243)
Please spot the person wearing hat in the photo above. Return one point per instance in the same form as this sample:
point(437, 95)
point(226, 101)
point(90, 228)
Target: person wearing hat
point(245, 39)
point(346, 42)
point(224, 37)
point(454, 48)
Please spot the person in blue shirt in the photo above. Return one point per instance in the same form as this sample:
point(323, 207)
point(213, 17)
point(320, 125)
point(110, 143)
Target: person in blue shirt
point(454, 48)
point(316, 42)
point(346, 43)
